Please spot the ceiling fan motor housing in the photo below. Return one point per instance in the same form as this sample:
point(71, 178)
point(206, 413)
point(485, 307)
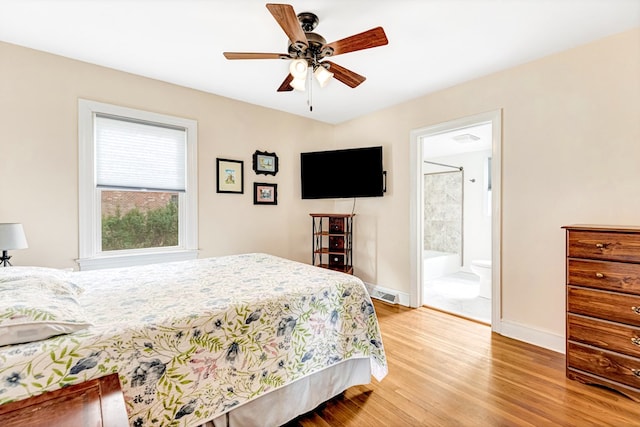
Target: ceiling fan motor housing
point(317, 49)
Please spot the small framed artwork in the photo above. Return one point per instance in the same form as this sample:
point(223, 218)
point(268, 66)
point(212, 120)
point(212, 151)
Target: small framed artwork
point(229, 176)
point(265, 193)
point(265, 163)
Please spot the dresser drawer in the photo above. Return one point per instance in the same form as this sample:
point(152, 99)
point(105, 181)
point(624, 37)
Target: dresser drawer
point(603, 245)
point(607, 275)
point(604, 305)
point(606, 335)
point(616, 367)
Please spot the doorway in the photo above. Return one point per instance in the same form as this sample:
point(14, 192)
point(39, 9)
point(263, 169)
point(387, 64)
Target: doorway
point(455, 217)
point(456, 221)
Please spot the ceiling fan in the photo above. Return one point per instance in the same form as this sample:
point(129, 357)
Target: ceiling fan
point(308, 50)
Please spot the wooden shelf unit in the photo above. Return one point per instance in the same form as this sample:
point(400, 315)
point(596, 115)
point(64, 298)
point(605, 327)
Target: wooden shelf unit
point(332, 241)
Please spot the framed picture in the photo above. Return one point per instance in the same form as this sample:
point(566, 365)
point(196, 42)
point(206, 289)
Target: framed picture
point(229, 176)
point(265, 193)
point(265, 163)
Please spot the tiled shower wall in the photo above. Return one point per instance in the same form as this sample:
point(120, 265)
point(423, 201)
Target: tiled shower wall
point(443, 212)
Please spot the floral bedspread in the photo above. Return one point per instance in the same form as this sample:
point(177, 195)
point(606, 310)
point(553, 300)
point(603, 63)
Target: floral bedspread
point(191, 340)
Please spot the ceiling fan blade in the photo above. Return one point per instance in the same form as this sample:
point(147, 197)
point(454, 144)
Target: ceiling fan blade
point(365, 40)
point(254, 55)
point(286, 84)
point(288, 20)
point(345, 75)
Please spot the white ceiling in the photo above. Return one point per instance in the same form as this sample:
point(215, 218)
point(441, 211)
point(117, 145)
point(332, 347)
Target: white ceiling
point(433, 44)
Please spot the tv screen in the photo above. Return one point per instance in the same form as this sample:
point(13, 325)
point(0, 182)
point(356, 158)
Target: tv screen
point(355, 172)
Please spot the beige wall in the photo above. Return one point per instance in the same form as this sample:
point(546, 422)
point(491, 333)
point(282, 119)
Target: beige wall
point(570, 154)
point(39, 157)
point(571, 147)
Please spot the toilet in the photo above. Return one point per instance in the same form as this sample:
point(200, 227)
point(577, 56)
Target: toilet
point(482, 268)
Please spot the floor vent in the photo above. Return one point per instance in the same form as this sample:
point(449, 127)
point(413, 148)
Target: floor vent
point(385, 296)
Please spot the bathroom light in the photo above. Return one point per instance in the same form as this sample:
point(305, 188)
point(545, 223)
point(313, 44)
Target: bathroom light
point(465, 137)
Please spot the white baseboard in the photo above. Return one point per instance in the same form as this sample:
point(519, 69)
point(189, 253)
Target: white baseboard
point(506, 328)
point(532, 336)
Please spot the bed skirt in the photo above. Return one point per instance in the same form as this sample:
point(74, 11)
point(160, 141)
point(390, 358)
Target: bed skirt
point(286, 403)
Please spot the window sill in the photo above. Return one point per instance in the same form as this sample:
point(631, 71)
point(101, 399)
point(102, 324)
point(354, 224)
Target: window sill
point(128, 260)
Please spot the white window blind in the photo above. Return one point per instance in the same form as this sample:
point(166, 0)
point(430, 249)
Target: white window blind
point(139, 155)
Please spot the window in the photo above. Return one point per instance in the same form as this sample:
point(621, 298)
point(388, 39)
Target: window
point(138, 186)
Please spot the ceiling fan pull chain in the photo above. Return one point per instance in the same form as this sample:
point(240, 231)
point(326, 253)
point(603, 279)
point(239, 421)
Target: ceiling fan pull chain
point(310, 85)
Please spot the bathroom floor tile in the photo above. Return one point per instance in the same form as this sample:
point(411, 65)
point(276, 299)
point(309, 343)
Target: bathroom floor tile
point(458, 293)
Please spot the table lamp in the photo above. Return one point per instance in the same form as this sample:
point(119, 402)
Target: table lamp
point(11, 237)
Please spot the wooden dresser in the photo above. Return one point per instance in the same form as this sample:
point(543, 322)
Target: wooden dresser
point(603, 306)
point(93, 403)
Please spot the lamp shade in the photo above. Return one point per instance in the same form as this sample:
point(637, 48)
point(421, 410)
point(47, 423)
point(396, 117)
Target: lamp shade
point(298, 84)
point(298, 68)
point(12, 236)
point(322, 75)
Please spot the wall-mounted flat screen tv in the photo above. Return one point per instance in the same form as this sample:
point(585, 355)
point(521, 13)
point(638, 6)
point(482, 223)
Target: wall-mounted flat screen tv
point(355, 172)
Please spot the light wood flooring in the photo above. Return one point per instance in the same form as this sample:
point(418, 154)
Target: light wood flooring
point(448, 371)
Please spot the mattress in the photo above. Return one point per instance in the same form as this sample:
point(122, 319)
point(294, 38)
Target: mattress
point(193, 340)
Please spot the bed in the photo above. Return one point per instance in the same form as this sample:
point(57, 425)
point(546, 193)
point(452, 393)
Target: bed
point(240, 340)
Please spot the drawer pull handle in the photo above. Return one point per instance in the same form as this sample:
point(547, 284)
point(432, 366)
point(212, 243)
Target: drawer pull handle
point(602, 245)
point(636, 372)
point(599, 275)
point(635, 309)
point(635, 341)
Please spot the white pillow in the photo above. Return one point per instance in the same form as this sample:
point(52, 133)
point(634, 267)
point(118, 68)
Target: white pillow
point(40, 273)
point(36, 308)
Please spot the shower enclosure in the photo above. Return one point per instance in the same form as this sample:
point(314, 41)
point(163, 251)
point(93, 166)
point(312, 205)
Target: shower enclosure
point(443, 220)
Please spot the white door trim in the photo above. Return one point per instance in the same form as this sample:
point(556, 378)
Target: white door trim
point(416, 201)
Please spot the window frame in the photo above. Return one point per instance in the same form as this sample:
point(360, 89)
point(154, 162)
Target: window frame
point(90, 222)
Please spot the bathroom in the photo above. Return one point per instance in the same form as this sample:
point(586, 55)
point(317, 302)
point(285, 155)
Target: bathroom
point(457, 222)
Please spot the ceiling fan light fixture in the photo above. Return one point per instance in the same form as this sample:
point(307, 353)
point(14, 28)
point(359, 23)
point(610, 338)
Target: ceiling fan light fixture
point(298, 83)
point(298, 68)
point(323, 76)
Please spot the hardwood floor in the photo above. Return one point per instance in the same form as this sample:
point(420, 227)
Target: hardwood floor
point(448, 371)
